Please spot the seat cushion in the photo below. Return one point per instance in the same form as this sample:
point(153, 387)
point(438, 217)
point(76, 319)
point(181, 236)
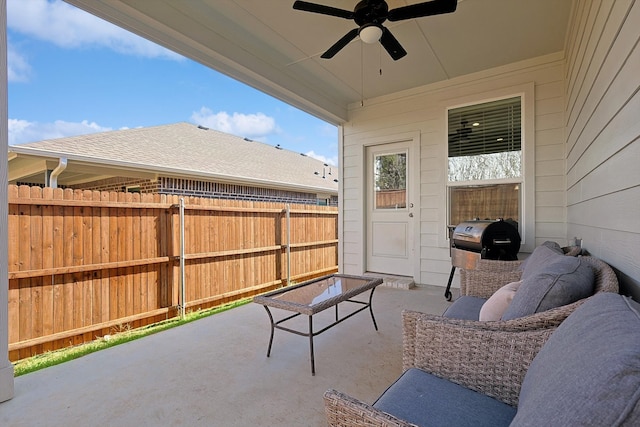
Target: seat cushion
point(588, 372)
point(563, 280)
point(426, 400)
point(466, 307)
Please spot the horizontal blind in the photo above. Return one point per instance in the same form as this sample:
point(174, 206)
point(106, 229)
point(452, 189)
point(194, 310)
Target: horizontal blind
point(491, 127)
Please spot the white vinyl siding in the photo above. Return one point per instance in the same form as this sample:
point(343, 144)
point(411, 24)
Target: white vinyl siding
point(603, 133)
point(425, 110)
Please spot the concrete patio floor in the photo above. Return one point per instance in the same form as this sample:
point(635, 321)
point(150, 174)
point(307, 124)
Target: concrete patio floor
point(215, 372)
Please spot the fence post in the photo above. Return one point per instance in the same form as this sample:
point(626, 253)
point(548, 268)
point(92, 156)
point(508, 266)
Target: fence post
point(288, 211)
point(182, 274)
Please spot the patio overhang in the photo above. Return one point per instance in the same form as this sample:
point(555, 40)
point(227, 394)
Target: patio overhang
point(276, 49)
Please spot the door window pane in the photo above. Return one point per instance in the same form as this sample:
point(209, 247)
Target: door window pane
point(390, 181)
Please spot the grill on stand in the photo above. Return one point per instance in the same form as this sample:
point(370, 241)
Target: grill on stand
point(481, 239)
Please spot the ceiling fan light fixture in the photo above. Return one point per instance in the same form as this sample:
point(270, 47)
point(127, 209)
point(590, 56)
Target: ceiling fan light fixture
point(370, 33)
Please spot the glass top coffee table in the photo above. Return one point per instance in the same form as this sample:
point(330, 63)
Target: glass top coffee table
point(314, 296)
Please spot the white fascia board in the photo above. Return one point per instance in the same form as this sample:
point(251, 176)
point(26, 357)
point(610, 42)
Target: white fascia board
point(130, 166)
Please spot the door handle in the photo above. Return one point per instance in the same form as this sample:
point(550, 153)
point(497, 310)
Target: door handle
point(410, 214)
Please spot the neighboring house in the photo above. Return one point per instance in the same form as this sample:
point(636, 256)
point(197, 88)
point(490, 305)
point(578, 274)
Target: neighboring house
point(179, 158)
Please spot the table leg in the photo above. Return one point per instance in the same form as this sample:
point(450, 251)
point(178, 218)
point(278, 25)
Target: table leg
point(375, 325)
point(313, 363)
point(272, 330)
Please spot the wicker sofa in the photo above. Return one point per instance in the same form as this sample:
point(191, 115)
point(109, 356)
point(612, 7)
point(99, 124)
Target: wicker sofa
point(459, 373)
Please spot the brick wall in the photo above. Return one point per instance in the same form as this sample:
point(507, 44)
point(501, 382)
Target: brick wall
point(215, 190)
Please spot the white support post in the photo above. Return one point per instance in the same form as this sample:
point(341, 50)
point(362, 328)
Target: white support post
point(6, 368)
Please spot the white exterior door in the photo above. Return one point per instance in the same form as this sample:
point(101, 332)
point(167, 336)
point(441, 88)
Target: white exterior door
point(391, 179)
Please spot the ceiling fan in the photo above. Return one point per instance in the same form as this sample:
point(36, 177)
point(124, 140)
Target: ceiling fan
point(369, 16)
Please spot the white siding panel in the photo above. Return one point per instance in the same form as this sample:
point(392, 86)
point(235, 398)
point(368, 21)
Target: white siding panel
point(549, 183)
point(549, 90)
point(623, 128)
point(603, 134)
point(549, 152)
point(549, 167)
point(550, 198)
point(588, 42)
point(549, 121)
point(550, 214)
point(550, 105)
point(616, 57)
point(618, 211)
point(550, 136)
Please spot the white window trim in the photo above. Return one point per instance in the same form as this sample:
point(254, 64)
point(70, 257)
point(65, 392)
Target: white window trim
point(527, 221)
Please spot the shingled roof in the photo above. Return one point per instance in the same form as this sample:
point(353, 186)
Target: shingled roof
point(185, 149)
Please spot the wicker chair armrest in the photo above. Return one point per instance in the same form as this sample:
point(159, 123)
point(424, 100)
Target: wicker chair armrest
point(344, 410)
point(489, 357)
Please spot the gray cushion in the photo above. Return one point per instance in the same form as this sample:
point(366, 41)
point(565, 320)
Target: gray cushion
point(563, 280)
point(588, 373)
point(540, 256)
point(466, 307)
point(426, 400)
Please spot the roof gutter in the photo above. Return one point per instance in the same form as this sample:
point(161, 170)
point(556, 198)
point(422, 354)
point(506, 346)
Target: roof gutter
point(53, 178)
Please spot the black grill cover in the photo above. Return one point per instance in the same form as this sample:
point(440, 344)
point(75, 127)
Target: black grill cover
point(493, 239)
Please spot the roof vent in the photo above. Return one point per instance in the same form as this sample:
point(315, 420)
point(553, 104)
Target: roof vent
point(202, 127)
point(248, 139)
point(278, 147)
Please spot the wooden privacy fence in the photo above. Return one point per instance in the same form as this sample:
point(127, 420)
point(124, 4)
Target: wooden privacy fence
point(83, 264)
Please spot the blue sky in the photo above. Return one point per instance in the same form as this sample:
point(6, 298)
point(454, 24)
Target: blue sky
point(71, 73)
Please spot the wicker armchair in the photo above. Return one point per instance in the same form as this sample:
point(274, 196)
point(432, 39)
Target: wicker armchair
point(478, 355)
point(484, 282)
point(509, 270)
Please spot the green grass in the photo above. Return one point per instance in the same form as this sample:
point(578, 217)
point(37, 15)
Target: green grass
point(41, 361)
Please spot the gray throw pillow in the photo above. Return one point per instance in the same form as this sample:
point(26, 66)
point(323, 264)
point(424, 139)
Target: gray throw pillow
point(540, 257)
point(588, 372)
point(563, 280)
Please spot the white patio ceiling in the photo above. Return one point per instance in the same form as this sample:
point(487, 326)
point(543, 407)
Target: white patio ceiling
point(270, 46)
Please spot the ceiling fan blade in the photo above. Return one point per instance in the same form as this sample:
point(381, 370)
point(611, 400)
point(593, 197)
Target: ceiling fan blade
point(392, 45)
point(324, 10)
point(434, 7)
point(340, 44)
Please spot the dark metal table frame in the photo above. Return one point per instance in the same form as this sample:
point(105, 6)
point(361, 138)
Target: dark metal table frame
point(267, 300)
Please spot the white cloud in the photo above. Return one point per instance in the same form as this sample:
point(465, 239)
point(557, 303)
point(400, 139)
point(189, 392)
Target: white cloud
point(256, 126)
point(328, 160)
point(21, 131)
point(69, 27)
point(18, 69)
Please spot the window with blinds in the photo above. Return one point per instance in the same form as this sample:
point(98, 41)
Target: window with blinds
point(485, 140)
point(485, 145)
